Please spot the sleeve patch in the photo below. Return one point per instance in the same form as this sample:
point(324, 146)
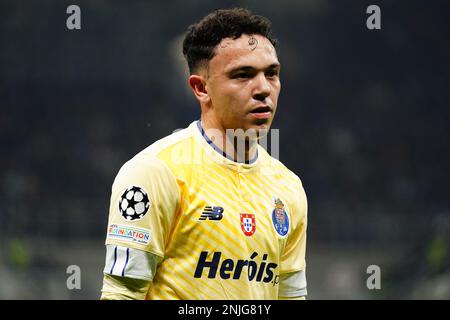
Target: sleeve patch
point(134, 203)
point(128, 234)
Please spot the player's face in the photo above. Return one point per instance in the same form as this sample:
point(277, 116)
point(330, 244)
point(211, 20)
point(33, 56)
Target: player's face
point(243, 83)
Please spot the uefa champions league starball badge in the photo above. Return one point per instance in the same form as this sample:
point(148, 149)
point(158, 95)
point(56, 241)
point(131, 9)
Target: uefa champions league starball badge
point(134, 204)
point(280, 218)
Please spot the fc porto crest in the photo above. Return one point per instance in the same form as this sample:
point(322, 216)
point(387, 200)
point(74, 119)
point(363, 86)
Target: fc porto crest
point(280, 218)
point(248, 224)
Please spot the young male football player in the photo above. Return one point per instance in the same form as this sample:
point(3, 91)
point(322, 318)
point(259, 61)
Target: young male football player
point(195, 216)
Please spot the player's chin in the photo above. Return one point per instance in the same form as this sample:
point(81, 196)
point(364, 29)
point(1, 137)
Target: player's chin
point(261, 126)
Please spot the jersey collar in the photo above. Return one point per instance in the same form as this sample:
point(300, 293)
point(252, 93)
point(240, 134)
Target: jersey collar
point(220, 151)
point(221, 156)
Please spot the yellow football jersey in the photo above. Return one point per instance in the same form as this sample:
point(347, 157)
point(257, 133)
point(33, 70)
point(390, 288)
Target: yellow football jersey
point(221, 229)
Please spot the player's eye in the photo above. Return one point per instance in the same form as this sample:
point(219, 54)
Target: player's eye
point(272, 73)
point(242, 75)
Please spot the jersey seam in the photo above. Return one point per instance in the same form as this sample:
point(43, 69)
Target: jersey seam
point(126, 245)
point(179, 200)
point(172, 174)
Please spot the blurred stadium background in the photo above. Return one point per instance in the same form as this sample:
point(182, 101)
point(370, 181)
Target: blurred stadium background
point(363, 118)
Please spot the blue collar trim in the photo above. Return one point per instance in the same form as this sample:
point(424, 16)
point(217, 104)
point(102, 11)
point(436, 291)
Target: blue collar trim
point(220, 151)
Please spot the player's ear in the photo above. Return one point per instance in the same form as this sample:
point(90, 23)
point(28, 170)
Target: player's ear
point(198, 86)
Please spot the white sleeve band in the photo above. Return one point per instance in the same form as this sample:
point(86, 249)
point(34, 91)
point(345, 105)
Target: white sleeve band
point(130, 263)
point(293, 284)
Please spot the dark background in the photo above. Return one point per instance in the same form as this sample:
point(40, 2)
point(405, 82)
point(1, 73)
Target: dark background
point(363, 118)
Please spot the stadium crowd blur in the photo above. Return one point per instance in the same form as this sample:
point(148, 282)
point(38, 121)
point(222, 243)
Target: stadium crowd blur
point(363, 118)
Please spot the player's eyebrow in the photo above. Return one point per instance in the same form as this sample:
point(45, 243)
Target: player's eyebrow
point(273, 66)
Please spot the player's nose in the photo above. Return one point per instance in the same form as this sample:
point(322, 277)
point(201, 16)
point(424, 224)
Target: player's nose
point(262, 87)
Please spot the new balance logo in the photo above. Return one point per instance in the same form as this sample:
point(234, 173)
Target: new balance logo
point(211, 213)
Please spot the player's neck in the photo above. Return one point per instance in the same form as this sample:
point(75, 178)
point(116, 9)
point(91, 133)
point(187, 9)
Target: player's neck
point(243, 150)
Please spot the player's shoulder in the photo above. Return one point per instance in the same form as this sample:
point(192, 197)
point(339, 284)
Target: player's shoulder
point(275, 167)
point(180, 139)
point(154, 158)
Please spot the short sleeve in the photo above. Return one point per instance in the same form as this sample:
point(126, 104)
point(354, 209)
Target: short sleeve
point(144, 200)
point(293, 257)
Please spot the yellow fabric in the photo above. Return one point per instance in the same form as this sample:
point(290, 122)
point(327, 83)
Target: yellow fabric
point(182, 175)
point(293, 298)
point(122, 288)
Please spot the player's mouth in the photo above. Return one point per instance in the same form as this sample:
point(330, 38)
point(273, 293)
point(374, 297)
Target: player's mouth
point(263, 112)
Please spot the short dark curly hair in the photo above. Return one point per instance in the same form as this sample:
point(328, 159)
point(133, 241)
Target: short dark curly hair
point(202, 38)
